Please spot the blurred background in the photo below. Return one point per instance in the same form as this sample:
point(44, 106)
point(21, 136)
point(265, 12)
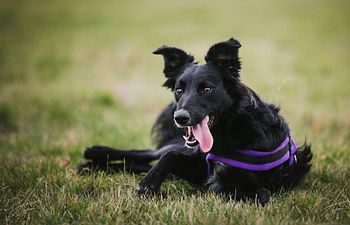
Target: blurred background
point(80, 73)
point(77, 73)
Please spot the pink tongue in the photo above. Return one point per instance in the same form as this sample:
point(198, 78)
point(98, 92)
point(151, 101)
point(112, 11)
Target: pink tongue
point(203, 136)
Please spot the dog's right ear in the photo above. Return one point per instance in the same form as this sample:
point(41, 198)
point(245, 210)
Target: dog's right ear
point(175, 60)
point(225, 56)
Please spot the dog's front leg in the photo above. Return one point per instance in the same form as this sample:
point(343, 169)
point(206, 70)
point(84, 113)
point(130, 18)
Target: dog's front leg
point(183, 164)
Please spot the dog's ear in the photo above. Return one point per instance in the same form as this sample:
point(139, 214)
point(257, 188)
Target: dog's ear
point(225, 56)
point(175, 60)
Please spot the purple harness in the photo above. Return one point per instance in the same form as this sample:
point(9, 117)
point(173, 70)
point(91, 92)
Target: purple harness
point(257, 160)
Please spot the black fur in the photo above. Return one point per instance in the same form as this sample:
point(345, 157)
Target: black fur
point(242, 121)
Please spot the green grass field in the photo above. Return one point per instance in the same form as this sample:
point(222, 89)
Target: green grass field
point(78, 73)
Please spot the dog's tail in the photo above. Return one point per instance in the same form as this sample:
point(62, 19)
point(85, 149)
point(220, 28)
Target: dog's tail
point(301, 167)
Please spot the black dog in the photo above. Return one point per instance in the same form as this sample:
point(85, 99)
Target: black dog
point(219, 134)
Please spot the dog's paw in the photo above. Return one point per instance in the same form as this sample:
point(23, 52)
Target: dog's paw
point(85, 168)
point(147, 190)
point(90, 167)
point(263, 196)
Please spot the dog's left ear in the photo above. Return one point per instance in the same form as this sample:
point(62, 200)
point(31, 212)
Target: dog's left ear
point(225, 56)
point(175, 60)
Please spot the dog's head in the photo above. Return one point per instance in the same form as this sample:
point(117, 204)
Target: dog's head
point(202, 92)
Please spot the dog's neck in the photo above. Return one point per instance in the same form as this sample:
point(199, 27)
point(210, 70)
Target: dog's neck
point(243, 125)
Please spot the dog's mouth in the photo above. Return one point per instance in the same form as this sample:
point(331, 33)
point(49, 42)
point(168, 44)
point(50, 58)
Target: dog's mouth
point(199, 135)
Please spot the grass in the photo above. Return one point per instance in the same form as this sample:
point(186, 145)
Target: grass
point(78, 73)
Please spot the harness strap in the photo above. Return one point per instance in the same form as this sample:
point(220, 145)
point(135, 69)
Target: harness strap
point(257, 160)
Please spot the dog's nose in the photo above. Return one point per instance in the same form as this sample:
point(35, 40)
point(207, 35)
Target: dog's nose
point(182, 117)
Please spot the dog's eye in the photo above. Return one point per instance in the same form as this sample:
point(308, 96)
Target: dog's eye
point(207, 90)
point(178, 91)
